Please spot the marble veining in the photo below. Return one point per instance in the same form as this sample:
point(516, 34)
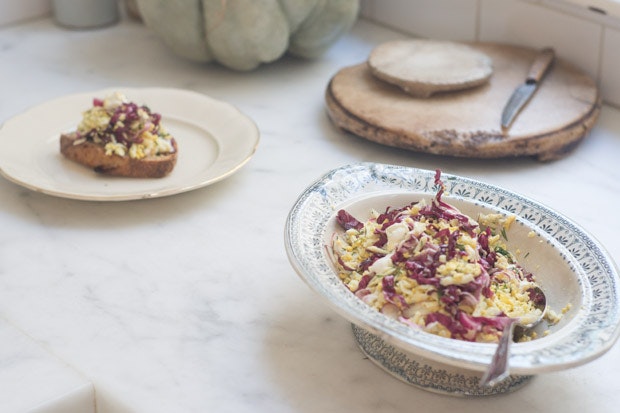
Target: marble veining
point(188, 303)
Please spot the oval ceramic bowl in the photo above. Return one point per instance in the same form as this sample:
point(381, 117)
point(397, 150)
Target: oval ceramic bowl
point(573, 269)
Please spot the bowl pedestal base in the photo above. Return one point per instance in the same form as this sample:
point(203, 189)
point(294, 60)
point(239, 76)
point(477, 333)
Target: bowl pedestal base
point(428, 374)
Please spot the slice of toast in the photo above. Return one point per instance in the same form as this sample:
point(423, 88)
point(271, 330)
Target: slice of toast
point(94, 156)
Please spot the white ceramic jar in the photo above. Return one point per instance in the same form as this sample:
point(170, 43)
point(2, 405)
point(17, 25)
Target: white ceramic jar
point(85, 14)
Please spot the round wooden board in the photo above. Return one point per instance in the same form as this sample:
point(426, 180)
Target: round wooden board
point(467, 123)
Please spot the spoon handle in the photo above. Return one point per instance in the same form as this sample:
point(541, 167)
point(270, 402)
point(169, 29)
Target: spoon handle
point(498, 369)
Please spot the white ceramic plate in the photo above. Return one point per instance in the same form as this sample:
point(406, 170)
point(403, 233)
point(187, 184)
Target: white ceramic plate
point(569, 264)
point(215, 140)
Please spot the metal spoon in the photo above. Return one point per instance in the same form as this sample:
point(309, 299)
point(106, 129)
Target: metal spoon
point(498, 369)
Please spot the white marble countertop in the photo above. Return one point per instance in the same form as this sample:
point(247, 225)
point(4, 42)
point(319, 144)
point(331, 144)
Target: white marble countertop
point(188, 303)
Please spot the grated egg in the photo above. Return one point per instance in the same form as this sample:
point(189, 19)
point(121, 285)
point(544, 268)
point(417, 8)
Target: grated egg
point(141, 135)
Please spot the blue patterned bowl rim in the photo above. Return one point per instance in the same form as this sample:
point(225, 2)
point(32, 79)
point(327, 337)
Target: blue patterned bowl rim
point(591, 332)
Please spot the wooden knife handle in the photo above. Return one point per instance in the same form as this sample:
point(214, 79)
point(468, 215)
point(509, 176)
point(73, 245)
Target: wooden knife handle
point(541, 64)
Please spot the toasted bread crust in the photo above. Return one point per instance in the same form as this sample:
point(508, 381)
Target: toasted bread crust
point(93, 156)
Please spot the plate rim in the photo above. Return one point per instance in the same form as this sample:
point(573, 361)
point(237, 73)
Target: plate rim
point(252, 138)
point(524, 363)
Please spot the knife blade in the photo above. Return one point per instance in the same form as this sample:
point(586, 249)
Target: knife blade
point(523, 93)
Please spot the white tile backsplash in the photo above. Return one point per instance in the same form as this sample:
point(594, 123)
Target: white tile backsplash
point(610, 63)
point(586, 38)
point(439, 19)
point(583, 11)
point(527, 24)
point(607, 7)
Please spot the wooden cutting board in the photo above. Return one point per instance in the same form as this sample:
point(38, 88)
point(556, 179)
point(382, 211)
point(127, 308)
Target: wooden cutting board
point(467, 123)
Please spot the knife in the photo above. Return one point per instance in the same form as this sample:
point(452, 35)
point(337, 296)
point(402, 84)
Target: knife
point(523, 93)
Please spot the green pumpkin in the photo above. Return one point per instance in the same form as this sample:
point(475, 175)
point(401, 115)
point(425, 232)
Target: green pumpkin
point(242, 34)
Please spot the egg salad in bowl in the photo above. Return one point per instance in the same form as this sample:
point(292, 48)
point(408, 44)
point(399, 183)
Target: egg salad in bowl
point(431, 267)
